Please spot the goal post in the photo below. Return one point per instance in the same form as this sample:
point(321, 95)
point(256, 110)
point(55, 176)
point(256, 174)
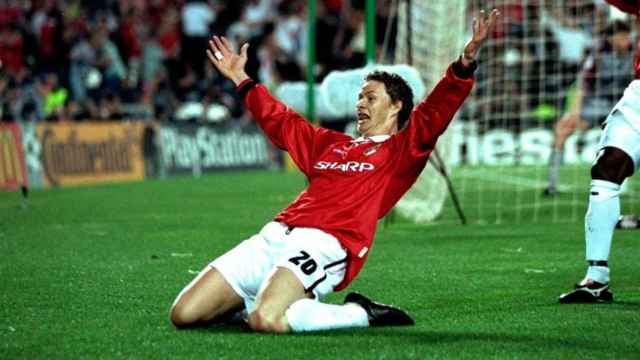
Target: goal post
point(430, 36)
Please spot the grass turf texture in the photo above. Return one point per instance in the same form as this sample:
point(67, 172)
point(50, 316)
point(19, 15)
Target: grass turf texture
point(91, 272)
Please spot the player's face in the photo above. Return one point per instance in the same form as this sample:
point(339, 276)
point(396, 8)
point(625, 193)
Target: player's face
point(376, 114)
point(620, 41)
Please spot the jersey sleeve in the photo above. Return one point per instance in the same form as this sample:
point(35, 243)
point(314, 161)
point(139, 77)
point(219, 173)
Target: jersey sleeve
point(629, 6)
point(431, 117)
point(285, 128)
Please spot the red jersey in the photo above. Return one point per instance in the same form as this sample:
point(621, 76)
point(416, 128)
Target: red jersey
point(631, 7)
point(355, 182)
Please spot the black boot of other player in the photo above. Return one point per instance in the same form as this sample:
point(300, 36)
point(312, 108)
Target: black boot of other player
point(550, 192)
point(380, 314)
point(592, 292)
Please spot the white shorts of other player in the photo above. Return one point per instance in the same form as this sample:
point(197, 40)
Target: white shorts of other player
point(316, 258)
point(629, 105)
point(620, 133)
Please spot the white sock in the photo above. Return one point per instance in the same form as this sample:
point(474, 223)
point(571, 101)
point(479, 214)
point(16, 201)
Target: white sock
point(311, 315)
point(554, 167)
point(598, 273)
point(600, 221)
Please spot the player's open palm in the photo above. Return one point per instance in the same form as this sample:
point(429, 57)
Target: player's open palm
point(226, 60)
point(482, 27)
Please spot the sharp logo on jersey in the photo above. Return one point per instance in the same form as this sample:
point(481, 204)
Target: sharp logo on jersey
point(349, 166)
point(372, 150)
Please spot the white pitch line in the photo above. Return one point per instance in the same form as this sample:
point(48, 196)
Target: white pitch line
point(524, 182)
point(511, 180)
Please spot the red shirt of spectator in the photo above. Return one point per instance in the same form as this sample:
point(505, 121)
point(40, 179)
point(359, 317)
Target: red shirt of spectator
point(333, 6)
point(12, 50)
point(47, 43)
point(169, 34)
point(130, 40)
point(8, 15)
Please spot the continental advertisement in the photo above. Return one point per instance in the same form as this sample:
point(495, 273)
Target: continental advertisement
point(87, 153)
point(67, 154)
point(13, 172)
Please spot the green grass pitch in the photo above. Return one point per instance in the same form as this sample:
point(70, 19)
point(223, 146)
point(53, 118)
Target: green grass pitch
point(90, 272)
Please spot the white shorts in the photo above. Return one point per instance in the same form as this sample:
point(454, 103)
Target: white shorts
point(619, 133)
point(316, 258)
point(629, 104)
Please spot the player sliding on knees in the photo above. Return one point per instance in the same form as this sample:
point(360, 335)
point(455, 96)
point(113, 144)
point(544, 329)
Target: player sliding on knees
point(617, 159)
point(319, 243)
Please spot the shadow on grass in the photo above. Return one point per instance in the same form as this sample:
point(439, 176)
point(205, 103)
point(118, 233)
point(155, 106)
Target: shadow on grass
point(631, 305)
point(411, 335)
point(426, 337)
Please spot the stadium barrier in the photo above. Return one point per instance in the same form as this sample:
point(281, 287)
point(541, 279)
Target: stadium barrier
point(13, 172)
point(64, 154)
point(505, 147)
point(67, 154)
point(197, 149)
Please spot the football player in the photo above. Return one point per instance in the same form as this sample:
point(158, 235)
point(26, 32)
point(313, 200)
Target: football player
point(319, 243)
point(617, 159)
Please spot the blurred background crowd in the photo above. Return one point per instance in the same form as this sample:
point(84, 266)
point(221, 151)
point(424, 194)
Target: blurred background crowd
point(544, 52)
point(72, 60)
point(145, 59)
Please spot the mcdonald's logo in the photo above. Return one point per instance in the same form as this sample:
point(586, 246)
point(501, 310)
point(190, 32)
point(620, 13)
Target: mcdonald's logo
point(12, 166)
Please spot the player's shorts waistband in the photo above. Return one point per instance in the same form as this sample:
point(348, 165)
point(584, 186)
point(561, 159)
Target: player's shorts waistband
point(288, 229)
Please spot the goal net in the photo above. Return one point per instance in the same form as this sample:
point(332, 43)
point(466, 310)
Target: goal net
point(429, 37)
point(531, 72)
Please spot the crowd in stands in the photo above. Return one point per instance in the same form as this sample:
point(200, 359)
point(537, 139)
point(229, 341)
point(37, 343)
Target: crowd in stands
point(73, 60)
point(528, 72)
point(144, 59)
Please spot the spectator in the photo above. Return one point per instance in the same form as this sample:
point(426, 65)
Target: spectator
point(81, 59)
point(96, 66)
point(197, 18)
point(605, 75)
point(53, 95)
point(256, 14)
point(4, 92)
point(12, 46)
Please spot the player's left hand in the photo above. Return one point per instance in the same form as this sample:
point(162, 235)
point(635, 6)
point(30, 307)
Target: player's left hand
point(482, 27)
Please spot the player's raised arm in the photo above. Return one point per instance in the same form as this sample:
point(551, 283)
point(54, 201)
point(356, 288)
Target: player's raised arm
point(431, 117)
point(230, 63)
point(629, 6)
point(482, 27)
point(285, 128)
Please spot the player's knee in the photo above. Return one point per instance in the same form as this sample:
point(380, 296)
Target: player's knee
point(613, 165)
point(262, 320)
point(182, 316)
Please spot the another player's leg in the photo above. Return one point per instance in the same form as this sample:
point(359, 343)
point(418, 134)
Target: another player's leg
point(206, 299)
point(562, 130)
point(612, 166)
point(630, 221)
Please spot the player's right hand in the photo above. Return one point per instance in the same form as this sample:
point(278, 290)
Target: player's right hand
point(228, 62)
